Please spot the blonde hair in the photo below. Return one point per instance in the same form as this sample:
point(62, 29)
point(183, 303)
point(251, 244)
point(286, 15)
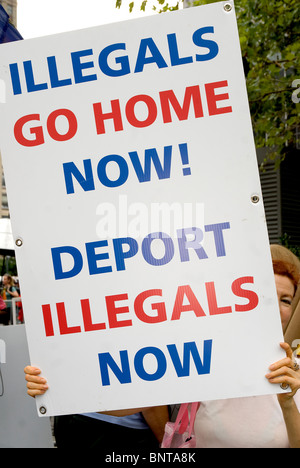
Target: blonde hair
point(292, 330)
point(10, 279)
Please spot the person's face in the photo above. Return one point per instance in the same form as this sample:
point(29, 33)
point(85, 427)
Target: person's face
point(285, 293)
point(5, 280)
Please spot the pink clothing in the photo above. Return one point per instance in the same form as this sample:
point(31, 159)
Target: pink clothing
point(252, 422)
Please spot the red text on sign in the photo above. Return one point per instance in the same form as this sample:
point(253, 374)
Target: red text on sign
point(119, 314)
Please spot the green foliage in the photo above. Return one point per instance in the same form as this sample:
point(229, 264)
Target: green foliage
point(269, 36)
point(285, 240)
point(269, 33)
point(8, 265)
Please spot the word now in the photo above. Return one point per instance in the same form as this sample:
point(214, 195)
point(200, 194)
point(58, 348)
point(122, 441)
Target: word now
point(128, 247)
point(115, 114)
point(83, 61)
point(182, 368)
point(119, 315)
point(143, 171)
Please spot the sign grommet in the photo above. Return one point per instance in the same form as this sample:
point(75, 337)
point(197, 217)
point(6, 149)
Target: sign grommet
point(43, 410)
point(19, 242)
point(227, 7)
point(255, 198)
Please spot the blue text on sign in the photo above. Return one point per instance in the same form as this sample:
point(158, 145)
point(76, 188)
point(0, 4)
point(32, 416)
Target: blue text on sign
point(182, 367)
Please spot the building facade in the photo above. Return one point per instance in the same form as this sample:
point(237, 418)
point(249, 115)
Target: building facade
point(281, 195)
point(10, 7)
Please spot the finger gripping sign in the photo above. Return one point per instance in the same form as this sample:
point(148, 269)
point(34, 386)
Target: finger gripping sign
point(131, 172)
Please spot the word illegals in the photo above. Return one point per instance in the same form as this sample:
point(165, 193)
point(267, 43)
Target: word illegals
point(83, 62)
point(119, 314)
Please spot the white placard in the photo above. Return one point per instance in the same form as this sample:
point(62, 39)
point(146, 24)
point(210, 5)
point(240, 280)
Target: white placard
point(136, 205)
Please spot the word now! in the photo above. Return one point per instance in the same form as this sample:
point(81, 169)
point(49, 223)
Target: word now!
point(143, 170)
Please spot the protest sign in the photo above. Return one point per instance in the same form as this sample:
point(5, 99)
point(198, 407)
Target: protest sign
point(137, 213)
